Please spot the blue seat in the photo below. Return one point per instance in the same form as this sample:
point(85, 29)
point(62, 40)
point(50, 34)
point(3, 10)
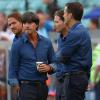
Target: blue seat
point(35, 4)
point(18, 4)
point(62, 3)
point(3, 5)
point(95, 2)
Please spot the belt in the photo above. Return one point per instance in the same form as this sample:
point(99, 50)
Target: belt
point(75, 73)
point(71, 74)
point(32, 82)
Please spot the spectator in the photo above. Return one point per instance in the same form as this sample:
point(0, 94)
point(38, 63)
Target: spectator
point(94, 24)
point(44, 26)
point(95, 76)
point(52, 6)
point(5, 33)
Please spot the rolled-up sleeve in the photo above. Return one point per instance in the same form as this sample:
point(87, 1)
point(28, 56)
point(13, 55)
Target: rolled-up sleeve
point(51, 57)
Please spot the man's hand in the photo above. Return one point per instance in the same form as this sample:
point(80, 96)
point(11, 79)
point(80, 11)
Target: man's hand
point(91, 86)
point(16, 89)
point(44, 68)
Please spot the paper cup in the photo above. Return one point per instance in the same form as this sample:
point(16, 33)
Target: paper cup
point(38, 64)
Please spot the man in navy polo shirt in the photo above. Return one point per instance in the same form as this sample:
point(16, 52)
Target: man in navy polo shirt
point(25, 52)
point(16, 26)
point(75, 54)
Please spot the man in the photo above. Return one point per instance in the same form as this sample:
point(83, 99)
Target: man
point(75, 54)
point(59, 24)
point(96, 83)
point(28, 50)
point(44, 24)
point(15, 24)
point(3, 20)
point(5, 33)
point(51, 7)
point(61, 28)
point(93, 25)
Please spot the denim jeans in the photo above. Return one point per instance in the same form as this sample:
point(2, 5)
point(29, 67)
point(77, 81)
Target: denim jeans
point(33, 91)
point(72, 87)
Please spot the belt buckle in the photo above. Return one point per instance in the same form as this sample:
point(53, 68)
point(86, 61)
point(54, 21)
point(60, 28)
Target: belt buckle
point(67, 74)
point(25, 82)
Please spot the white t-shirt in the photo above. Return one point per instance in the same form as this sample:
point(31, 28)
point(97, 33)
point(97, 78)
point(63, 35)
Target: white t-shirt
point(98, 61)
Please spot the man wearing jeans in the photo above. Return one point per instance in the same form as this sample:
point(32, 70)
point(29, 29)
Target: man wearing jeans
point(16, 26)
point(25, 52)
point(75, 54)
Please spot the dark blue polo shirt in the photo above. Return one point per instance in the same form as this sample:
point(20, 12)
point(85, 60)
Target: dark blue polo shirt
point(74, 50)
point(24, 56)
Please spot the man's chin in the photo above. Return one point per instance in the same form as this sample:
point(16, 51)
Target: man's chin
point(15, 32)
point(66, 22)
point(27, 31)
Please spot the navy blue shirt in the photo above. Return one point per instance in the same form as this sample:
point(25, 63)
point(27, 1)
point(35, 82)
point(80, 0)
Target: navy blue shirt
point(74, 50)
point(24, 56)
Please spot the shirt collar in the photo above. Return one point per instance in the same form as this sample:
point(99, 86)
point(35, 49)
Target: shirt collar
point(63, 38)
point(25, 37)
point(74, 26)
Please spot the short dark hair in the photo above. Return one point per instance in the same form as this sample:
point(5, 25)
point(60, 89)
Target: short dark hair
point(16, 15)
point(30, 17)
point(39, 11)
point(60, 13)
point(95, 21)
point(76, 9)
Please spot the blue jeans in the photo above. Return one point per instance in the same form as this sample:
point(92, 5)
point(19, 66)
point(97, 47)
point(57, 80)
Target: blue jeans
point(90, 95)
point(72, 87)
point(33, 91)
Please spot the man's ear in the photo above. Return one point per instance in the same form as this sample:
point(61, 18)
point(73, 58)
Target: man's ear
point(70, 15)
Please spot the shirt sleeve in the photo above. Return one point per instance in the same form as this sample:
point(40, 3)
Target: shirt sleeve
point(51, 56)
point(14, 65)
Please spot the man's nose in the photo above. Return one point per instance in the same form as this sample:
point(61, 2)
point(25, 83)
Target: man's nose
point(11, 26)
point(26, 25)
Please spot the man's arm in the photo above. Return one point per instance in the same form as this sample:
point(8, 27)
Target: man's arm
point(14, 65)
point(97, 71)
point(51, 58)
point(50, 68)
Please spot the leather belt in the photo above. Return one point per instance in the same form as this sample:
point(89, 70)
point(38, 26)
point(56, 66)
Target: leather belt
point(75, 73)
point(32, 82)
